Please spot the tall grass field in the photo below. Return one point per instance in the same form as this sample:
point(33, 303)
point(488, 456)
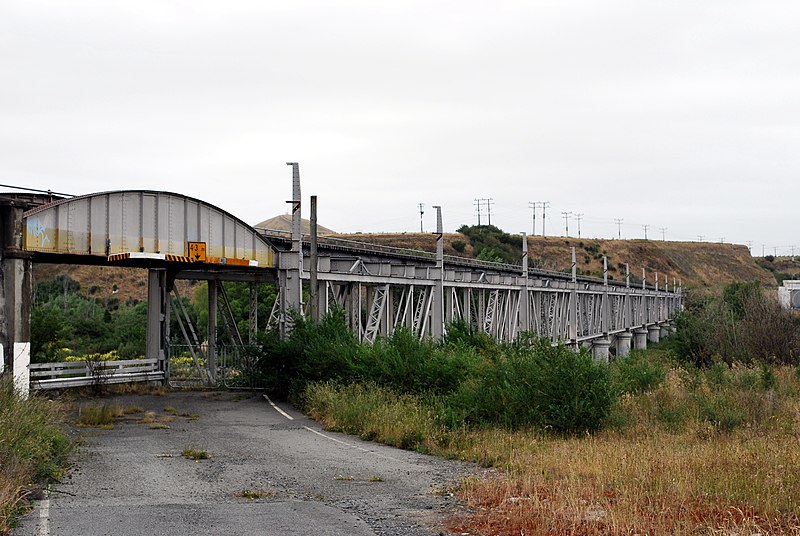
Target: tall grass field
point(33, 449)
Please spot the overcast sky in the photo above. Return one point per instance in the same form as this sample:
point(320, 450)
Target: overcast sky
point(677, 114)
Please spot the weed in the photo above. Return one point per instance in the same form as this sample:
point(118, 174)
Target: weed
point(149, 417)
point(100, 416)
point(133, 408)
point(375, 478)
point(170, 410)
point(159, 426)
point(347, 478)
point(253, 494)
point(194, 454)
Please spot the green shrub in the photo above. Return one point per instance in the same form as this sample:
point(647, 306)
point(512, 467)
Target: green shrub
point(637, 374)
point(548, 387)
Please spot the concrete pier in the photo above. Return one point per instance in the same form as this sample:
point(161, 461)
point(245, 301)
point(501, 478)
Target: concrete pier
point(600, 350)
point(623, 345)
point(16, 290)
point(653, 334)
point(639, 339)
point(664, 330)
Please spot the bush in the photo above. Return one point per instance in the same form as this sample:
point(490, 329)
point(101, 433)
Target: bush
point(552, 388)
point(740, 324)
point(637, 374)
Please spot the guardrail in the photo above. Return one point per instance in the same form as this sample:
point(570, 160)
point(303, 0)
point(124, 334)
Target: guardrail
point(80, 373)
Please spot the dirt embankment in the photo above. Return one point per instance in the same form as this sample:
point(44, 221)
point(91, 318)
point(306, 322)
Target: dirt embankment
point(697, 264)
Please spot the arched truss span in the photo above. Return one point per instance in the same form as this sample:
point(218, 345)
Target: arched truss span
point(142, 222)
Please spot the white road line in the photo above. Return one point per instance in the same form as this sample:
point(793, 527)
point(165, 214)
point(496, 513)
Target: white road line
point(345, 443)
point(44, 517)
point(276, 408)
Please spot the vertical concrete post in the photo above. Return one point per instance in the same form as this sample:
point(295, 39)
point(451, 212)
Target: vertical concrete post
point(524, 306)
point(213, 296)
point(438, 287)
point(294, 264)
point(314, 297)
point(16, 290)
point(639, 339)
point(573, 305)
point(605, 320)
point(623, 345)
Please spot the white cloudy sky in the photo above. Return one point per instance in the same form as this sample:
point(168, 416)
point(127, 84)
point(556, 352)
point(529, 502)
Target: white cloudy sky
point(681, 114)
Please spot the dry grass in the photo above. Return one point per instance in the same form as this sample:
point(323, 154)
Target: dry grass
point(705, 452)
point(33, 449)
point(652, 475)
point(100, 416)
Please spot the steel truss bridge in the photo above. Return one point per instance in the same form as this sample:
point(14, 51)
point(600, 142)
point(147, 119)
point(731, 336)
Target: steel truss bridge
point(380, 288)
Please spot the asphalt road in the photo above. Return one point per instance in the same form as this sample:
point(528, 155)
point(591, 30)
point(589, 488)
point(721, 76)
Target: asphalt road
point(132, 480)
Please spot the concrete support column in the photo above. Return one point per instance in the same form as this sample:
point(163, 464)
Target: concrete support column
point(157, 322)
point(664, 330)
point(212, 330)
point(653, 334)
point(600, 350)
point(624, 343)
point(437, 327)
point(639, 339)
point(16, 291)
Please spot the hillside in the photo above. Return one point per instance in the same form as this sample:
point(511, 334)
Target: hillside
point(697, 264)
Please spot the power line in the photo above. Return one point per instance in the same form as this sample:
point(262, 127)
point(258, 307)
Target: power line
point(663, 230)
point(478, 207)
point(578, 217)
point(49, 192)
point(421, 212)
point(645, 227)
point(532, 205)
point(619, 221)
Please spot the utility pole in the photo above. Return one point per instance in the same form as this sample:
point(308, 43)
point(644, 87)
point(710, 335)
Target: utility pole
point(566, 221)
point(544, 205)
point(421, 212)
point(700, 237)
point(489, 203)
point(775, 251)
point(578, 217)
point(532, 206)
point(663, 230)
point(645, 227)
point(478, 206)
point(618, 221)
point(762, 250)
point(722, 240)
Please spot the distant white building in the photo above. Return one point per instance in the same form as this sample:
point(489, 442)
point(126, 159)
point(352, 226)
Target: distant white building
point(789, 294)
